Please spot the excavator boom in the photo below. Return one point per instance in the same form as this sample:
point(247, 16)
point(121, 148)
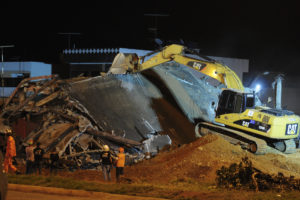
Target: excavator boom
point(132, 63)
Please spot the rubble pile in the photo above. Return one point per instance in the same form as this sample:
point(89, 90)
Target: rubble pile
point(245, 176)
point(58, 122)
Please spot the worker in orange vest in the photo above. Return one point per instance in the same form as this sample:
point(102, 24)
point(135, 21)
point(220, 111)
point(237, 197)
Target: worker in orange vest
point(10, 153)
point(120, 163)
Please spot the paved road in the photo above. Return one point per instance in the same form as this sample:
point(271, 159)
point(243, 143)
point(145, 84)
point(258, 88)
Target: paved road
point(24, 192)
point(16, 195)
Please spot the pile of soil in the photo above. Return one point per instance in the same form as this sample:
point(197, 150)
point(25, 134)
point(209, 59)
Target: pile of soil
point(199, 161)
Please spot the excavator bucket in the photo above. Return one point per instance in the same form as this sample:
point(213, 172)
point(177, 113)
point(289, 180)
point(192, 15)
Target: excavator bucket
point(123, 63)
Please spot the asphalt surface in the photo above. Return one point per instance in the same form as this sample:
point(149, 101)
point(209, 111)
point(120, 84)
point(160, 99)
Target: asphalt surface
point(16, 195)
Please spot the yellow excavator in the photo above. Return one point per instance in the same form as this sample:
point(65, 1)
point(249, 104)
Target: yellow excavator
point(237, 118)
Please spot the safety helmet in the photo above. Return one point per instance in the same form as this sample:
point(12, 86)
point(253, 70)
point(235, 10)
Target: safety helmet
point(8, 130)
point(121, 149)
point(106, 148)
point(30, 142)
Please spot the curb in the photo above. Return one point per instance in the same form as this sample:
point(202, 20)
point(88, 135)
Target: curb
point(69, 192)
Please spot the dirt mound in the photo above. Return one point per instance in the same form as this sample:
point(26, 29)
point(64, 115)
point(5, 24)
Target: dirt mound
point(201, 159)
point(197, 160)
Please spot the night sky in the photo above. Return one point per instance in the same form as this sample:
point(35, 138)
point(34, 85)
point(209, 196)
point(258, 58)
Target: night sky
point(265, 33)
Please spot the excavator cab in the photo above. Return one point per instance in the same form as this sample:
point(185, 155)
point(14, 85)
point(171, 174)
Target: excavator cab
point(237, 111)
point(232, 101)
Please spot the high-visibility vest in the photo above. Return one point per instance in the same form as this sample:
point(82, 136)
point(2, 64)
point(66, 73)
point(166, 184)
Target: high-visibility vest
point(10, 147)
point(121, 160)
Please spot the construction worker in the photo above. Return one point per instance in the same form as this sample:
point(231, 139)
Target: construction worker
point(29, 157)
point(106, 161)
point(38, 158)
point(54, 160)
point(10, 153)
point(120, 163)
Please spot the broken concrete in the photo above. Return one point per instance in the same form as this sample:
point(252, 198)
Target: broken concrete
point(129, 104)
point(60, 122)
point(142, 112)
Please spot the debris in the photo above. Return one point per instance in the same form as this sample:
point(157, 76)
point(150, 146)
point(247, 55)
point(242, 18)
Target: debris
point(245, 176)
point(58, 122)
point(142, 112)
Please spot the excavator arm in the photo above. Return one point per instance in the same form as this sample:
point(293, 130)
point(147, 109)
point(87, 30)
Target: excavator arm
point(174, 52)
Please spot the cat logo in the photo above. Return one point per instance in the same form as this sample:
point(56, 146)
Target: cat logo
point(291, 129)
point(196, 65)
point(246, 124)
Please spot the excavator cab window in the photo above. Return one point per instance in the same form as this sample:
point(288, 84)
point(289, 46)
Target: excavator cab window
point(250, 99)
point(238, 108)
point(231, 102)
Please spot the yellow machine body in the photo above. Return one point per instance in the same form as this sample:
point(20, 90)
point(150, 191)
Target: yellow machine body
point(261, 123)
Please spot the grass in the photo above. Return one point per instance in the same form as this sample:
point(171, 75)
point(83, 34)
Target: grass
point(178, 189)
point(70, 183)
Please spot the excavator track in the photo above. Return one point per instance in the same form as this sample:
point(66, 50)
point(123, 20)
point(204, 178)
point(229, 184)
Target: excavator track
point(253, 144)
point(290, 146)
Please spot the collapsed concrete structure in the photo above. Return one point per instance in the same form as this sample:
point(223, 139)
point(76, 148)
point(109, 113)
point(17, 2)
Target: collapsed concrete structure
point(142, 112)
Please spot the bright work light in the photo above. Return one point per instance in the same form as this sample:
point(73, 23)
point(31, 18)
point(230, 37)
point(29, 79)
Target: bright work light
point(257, 88)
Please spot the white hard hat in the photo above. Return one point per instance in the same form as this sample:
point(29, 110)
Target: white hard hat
point(106, 148)
point(8, 130)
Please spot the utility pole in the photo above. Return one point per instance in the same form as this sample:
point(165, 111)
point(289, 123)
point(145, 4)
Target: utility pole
point(2, 68)
point(69, 37)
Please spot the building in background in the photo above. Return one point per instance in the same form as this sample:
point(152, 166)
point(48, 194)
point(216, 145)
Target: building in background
point(15, 72)
point(91, 62)
point(85, 62)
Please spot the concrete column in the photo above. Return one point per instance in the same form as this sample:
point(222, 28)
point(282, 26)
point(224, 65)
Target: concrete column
point(278, 80)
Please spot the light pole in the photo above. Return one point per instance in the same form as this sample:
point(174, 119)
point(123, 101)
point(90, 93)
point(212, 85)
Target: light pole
point(2, 68)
